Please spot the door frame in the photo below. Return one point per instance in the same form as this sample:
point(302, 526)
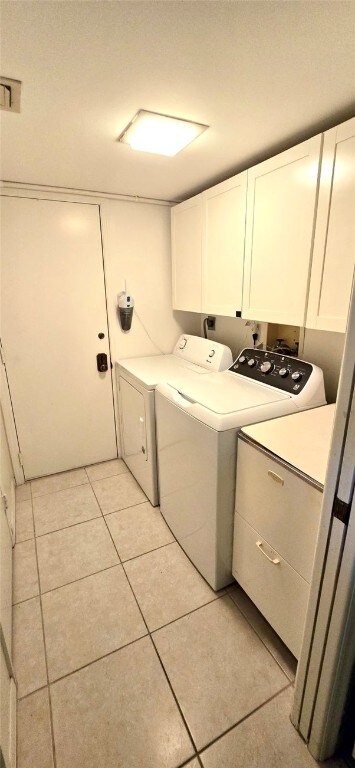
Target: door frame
point(324, 669)
point(8, 412)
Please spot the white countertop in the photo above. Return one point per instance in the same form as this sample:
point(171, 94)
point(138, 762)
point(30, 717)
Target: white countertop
point(301, 439)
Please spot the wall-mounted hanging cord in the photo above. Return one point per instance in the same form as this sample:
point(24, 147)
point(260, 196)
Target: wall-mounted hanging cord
point(148, 334)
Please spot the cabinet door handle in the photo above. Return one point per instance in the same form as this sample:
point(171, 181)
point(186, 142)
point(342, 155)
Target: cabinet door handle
point(275, 561)
point(275, 477)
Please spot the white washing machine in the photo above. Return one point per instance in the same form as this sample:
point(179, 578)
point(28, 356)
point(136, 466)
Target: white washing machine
point(197, 424)
point(137, 379)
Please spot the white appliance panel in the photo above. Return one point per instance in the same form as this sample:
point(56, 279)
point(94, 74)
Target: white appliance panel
point(196, 476)
point(138, 436)
point(137, 380)
point(197, 424)
point(228, 394)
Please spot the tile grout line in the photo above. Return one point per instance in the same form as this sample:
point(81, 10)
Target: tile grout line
point(67, 584)
point(71, 525)
point(149, 632)
point(193, 610)
point(90, 663)
point(115, 511)
point(45, 649)
point(155, 549)
point(119, 648)
point(260, 638)
point(160, 661)
point(58, 490)
point(27, 695)
point(243, 719)
point(76, 485)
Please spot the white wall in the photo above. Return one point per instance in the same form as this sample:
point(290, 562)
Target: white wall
point(325, 348)
point(136, 240)
point(234, 332)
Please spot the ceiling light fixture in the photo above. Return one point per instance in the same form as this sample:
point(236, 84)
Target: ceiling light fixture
point(160, 134)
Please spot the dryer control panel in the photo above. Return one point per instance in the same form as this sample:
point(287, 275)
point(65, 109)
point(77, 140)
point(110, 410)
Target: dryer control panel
point(208, 354)
point(287, 373)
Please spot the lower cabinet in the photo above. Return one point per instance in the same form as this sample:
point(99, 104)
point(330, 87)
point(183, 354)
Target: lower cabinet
point(275, 533)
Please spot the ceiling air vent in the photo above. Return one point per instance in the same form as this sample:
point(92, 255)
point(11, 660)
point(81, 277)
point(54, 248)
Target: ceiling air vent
point(10, 94)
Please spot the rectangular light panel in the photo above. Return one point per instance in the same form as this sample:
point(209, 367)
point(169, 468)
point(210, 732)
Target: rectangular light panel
point(160, 134)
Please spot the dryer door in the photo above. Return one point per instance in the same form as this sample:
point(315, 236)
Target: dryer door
point(133, 420)
point(138, 436)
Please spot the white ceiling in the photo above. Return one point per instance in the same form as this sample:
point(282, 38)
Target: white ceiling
point(263, 76)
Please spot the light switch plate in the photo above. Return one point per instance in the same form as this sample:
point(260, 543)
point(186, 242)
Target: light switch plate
point(10, 91)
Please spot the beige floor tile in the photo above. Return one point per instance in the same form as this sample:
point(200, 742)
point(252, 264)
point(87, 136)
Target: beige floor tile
point(266, 633)
point(58, 482)
point(89, 619)
point(119, 711)
point(25, 577)
point(219, 669)
point(64, 508)
point(106, 469)
point(29, 662)
point(73, 553)
point(264, 739)
point(24, 521)
point(167, 585)
point(34, 741)
point(23, 492)
point(193, 763)
point(118, 492)
point(138, 530)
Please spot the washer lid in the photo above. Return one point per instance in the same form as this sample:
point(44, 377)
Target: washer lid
point(150, 371)
point(225, 393)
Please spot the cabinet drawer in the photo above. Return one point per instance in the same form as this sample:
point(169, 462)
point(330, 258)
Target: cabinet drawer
point(281, 506)
point(277, 590)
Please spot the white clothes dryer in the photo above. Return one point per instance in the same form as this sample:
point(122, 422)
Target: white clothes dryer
point(197, 424)
point(137, 379)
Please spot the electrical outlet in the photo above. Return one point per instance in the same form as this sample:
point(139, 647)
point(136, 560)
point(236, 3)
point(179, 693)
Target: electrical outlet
point(211, 323)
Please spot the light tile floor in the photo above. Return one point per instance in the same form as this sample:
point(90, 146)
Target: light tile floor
point(124, 656)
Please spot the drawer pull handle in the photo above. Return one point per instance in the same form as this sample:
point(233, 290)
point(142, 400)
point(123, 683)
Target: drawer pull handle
point(275, 477)
point(275, 560)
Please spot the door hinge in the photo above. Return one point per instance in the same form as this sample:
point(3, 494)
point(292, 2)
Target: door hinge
point(20, 458)
point(341, 510)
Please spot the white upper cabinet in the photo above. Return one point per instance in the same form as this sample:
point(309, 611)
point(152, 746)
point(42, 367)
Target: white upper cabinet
point(186, 234)
point(281, 204)
point(334, 243)
point(223, 234)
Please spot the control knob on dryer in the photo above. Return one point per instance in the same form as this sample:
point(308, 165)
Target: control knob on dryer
point(251, 362)
point(296, 376)
point(283, 372)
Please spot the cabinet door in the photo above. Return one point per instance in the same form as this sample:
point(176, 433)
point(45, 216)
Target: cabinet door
point(224, 208)
point(186, 233)
point(334, 242)
point(279, 233)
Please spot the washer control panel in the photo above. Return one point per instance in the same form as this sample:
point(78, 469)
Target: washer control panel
point(287, 373)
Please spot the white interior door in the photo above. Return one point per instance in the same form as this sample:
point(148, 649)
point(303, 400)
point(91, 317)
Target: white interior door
point(54, 307)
